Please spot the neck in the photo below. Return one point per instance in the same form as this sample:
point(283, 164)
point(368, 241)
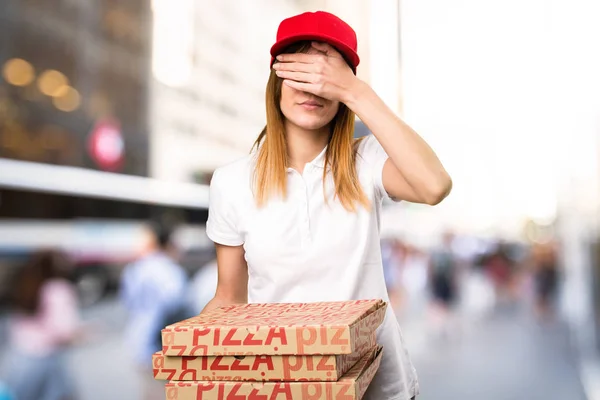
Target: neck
point(304, 145)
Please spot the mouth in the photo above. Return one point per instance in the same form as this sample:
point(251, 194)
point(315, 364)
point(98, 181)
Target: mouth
point(311, 105)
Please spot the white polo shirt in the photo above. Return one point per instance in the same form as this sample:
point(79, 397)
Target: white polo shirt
point(303, 249)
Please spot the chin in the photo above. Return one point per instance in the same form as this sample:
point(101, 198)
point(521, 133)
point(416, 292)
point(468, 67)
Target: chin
point(310, 122)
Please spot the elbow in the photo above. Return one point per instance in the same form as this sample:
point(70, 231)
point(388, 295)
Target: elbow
point(439, 191)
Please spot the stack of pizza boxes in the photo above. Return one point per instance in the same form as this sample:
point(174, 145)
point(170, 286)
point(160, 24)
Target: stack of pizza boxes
point(273, 351)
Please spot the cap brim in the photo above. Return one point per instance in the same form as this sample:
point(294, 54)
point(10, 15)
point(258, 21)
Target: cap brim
point(346, 51)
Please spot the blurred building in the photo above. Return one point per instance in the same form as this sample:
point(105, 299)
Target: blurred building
point(74, 111)
point(74, 133)
point(75, 82)
point(74, 90)
point(206, 92)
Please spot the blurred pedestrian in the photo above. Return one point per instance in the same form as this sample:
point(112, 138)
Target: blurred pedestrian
point(43, 327)
point(546, 279)
point(153, 290)
point(500, 268)
point(443, 284)
point(298, 220)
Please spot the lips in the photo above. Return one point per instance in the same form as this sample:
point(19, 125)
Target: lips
point(311, 104)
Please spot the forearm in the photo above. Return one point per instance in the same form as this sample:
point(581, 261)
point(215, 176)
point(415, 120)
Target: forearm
point(410, 154)
point(232, 285)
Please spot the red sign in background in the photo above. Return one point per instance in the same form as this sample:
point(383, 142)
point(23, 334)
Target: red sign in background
point(106, 145)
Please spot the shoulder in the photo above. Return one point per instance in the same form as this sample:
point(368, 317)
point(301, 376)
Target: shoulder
point(370, 155)
point(368, 148)
point(232, 183)
point(233, 173)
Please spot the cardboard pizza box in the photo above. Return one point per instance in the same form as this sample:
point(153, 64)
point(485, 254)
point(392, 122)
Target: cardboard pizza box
point(260, 367)
point(275, 329)
point(352, 386)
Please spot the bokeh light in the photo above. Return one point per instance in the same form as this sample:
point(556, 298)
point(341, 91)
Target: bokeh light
point(53, 83)
point(68, 100)
point(18, 72)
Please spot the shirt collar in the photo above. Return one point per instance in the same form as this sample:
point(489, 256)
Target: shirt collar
point(318, 161)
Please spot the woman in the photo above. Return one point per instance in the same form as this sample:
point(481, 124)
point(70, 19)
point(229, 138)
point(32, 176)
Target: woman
point(298, 219)
point(45, 323)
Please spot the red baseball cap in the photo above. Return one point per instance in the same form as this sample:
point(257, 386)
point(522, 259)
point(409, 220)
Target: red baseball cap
point(320, 26)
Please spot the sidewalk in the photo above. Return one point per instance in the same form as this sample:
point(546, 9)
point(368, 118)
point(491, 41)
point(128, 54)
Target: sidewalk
point(504, 356)
point(590, 377)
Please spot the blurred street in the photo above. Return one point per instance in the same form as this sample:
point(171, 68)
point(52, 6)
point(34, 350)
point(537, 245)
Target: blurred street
point(530, 360)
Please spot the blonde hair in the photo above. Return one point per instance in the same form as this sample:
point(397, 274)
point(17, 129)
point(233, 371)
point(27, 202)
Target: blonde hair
point(270, 173)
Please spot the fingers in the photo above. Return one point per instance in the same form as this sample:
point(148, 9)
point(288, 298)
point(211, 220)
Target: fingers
point(296, 66)
point(304, 87)
point(297, 76)
point(303, 61)
point(299, 58)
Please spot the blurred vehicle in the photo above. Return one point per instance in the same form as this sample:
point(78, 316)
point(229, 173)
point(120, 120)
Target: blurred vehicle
point(97, 218)
point(99, 250)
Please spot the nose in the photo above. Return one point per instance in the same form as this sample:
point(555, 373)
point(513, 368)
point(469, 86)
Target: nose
point(314, 97)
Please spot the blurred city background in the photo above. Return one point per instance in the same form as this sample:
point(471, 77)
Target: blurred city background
point(114, 113)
